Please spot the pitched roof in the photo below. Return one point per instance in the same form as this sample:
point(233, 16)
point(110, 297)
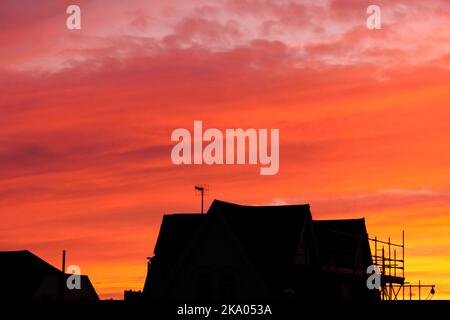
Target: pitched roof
point(175, 233)
point(269, 234)
point(343, 244)
point(22, 273)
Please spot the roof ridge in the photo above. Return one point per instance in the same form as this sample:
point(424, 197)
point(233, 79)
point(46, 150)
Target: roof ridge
point(218, 202)
point(337, 220)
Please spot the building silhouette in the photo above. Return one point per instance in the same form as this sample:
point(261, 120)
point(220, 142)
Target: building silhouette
point(26, 277)
point(236, 252)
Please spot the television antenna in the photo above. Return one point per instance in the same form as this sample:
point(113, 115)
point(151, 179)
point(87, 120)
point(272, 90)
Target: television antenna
point(202, 189)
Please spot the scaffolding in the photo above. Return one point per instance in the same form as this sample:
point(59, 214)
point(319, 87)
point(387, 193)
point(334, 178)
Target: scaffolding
point(389, 257)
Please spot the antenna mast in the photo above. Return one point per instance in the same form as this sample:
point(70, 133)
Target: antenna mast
point(201, 188)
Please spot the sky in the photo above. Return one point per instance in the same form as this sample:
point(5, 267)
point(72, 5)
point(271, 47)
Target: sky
point(86, 118)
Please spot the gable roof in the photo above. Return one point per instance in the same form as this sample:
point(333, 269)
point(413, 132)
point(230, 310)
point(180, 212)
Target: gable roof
point(22, 273)
point(24, 276)
point(268, 234)
point(343, 244)
point(175, 233)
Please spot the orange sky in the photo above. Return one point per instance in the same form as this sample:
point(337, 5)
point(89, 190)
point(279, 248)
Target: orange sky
point(86, 118)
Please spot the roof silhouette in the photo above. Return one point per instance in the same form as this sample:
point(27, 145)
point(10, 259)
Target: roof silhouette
point(275, 250)
point(22, 273)
point(339, 242)
point(27, 277)
point(268, 234)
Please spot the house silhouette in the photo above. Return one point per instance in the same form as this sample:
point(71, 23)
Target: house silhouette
point(236, 252)
point(26, 277)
